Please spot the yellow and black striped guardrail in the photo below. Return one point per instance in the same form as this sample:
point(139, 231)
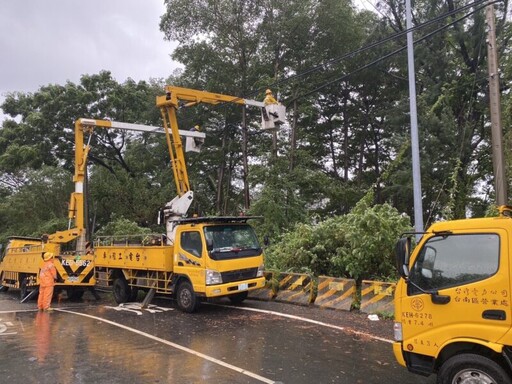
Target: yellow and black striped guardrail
point(295, 288)
point(268, 292)
point(326, 292)
point(335, 293)
point(377, 296)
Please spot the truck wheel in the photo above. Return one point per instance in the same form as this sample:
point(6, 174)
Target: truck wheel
point(471, 368)
point(237, 298)
point(186, 298)
point(121, 290)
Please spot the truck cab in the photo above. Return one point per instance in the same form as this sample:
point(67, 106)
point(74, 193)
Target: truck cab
point(228, 251)
point(452, 303)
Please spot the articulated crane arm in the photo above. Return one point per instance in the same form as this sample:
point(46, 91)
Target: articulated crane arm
point(76, 212)
point(176, 97)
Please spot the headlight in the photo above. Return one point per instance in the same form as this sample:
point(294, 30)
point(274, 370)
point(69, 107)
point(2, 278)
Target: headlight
point(261, 270)
point(397, 330)
point(213, 277)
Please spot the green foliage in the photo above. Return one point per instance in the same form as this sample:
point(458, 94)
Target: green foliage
point(38, 206)
point(358, 245)
point(121, 226)
point(492, 211)
point(371, 236)
point(135, 198)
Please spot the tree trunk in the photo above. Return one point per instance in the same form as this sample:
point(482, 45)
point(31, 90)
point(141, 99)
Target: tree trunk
point(346, 163)
point(222, 169)
point(245, 175)
point(293, 136)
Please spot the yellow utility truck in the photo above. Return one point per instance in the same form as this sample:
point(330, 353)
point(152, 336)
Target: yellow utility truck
point(207, 257)
point(199, 257)
point(196, 258)
point(453, 308)
point(22, 258)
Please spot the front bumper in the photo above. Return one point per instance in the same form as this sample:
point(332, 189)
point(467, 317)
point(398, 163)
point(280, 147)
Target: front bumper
point(234, 287)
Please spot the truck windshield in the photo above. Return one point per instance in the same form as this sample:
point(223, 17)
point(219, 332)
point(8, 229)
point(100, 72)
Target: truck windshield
point(453, 260)
point(231, 241)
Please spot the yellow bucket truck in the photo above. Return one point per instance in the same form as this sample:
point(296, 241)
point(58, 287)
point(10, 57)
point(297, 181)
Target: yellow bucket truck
point(199, 257)
point(453, 312)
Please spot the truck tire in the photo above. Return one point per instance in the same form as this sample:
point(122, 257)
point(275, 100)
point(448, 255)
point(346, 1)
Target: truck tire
point(186, 298)
point(471, 368)
point(121, 290)
point(238, 298)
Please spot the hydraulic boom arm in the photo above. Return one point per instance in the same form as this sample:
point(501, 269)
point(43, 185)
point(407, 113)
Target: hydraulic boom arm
point(76, 212)
point(176, 97)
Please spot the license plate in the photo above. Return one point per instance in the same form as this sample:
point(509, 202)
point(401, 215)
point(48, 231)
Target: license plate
point(243, 287)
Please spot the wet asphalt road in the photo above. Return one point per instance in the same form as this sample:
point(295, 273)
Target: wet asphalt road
point(98, 342)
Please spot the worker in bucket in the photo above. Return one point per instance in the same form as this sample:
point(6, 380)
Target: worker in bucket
point(269, 98)
point(47, 277)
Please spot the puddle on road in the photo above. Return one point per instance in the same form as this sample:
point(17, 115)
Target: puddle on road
point(61, 348)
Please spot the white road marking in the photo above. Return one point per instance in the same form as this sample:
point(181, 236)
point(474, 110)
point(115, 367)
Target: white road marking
point(350, 330)
point(19, 310)
point(137, 308)
point(177, 346)
point(119, 308)
point(4, 327)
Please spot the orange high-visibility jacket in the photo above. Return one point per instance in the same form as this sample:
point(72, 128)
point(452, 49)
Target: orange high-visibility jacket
point(48, 274)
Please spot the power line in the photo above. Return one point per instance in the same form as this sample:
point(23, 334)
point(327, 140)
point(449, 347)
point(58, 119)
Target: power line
point(368, 47)
point(382, 58)
point(374, 45)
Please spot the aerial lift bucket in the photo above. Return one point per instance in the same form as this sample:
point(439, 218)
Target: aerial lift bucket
point(272, 116)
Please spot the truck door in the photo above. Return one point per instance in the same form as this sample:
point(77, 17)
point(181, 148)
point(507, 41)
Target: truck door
point(458, 289)
point(189, 257)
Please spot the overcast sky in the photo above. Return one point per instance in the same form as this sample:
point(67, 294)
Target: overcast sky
point(53, 41)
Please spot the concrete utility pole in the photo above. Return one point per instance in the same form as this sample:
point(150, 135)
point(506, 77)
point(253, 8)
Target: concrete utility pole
point(416, 170)
point(500, 179)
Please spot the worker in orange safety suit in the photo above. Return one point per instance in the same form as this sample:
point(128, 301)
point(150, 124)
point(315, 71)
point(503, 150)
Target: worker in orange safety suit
point(47, 277)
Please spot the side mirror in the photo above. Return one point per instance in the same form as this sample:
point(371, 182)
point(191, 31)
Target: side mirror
point(403, 251)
